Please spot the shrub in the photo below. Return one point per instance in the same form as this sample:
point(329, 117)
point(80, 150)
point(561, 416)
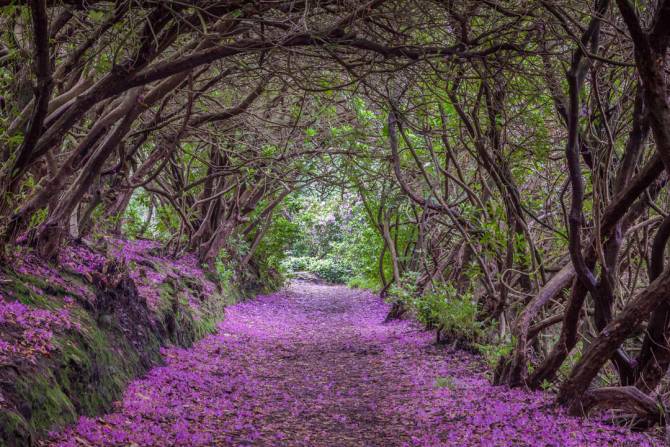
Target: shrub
point(329, 269)
point(294, 264)
point(493, 352)
point(453, 314)
point(363, 282)
point(458, 318)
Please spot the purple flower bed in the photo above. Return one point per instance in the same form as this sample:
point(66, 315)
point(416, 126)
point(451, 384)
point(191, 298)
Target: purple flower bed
point(27, 332)
point(148, 280)
point(317, 367)
point(81, 259)
point(31, 329)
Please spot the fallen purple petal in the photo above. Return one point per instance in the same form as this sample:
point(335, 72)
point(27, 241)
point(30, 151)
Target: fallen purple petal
point(316, 366)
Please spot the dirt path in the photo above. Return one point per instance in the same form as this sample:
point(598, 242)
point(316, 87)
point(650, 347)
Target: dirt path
point(315, 366)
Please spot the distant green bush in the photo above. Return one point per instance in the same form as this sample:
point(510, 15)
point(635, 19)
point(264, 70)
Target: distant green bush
point(294, 264)
point(329, 269)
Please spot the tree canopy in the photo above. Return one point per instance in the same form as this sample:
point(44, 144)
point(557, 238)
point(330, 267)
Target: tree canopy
point(496, 168)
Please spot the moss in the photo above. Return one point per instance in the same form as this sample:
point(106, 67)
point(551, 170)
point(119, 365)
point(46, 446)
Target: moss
point(76, 281)
point(47, 296)
point(54, 290)
point(90, 368)
point(181, 324)
point(205, 327)
point(25, 294)
point(166, 293)
point(14, 429)
point(49, 406)
point(92, 372)
point(88, 376)
point(121, 360)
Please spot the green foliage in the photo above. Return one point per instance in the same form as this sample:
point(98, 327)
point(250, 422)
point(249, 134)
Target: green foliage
point(38, 217)
point(15, 140)
point(456, 314)
point(135, 214)
point(443, 308)
point(363, 282)
point(280, 235)
point(406, 293)
point(493, 352)
point(331, 238)
point(445, 382)
point(224, 273)
point(329, 269)
point(167, 222)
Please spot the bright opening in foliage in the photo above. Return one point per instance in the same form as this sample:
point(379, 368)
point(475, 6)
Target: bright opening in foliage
point(331, 196)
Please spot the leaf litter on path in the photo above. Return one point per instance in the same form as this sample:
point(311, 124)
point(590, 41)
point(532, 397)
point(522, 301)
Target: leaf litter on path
point(316, 366)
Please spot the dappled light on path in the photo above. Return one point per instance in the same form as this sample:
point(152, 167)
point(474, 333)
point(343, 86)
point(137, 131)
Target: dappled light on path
point(316, 366)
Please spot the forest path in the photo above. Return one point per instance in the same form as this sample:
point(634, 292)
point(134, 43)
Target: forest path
point(315, 365)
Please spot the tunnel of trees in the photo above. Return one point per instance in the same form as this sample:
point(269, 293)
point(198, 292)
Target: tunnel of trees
point(495, 168)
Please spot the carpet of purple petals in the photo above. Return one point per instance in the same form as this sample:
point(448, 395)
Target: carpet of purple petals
point(139, 254)
point(32, 329)
point(27, 332)
point(315, 366)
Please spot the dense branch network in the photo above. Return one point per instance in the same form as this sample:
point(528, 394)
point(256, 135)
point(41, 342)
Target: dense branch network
point(507, 156)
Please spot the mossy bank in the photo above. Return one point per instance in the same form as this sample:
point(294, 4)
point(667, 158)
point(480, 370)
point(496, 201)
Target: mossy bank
point(75, 331)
